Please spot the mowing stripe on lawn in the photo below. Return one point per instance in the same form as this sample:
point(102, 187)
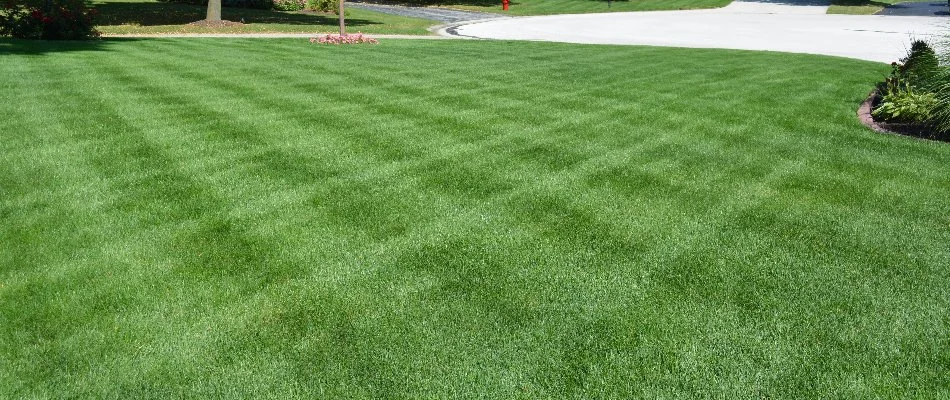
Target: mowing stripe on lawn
point(224, 218)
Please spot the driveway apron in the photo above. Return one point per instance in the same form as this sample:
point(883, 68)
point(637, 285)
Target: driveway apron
point(798, 26)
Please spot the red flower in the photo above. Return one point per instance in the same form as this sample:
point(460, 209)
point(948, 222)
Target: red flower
point(47, 20)
point(37, 14)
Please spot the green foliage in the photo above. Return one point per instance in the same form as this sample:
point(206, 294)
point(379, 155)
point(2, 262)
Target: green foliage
point(939, 86)
point(920, 65)
point(289, 5)
point(916, 69)
point(907, 105)
point(922, 69)
point(55, 20)
point(917, 92)
point(324, 5)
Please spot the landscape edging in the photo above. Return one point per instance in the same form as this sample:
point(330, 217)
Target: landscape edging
point(864, 114)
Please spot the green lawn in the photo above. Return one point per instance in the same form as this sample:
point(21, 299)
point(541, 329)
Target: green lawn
point(543, 7)
point(153, 17)
point(864, 7)
point(461, 219)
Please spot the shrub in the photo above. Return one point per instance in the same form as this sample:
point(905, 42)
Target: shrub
point(920, 65)
point(918, 69)
point(56, 20)
point(289, 5)
point(923, 70)
point(324, 5)
point(904, 104)
point(917, 93)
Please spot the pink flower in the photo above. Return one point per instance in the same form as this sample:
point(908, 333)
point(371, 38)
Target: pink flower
point(344, 39)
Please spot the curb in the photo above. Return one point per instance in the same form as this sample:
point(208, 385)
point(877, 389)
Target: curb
point(449, 29)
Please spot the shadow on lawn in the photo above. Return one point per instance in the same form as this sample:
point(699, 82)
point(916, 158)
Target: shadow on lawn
point(153, 14)
point(41, 47)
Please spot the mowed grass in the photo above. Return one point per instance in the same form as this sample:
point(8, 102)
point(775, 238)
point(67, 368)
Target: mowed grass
point(455, 219)
point(137, 17)
point(545, 7)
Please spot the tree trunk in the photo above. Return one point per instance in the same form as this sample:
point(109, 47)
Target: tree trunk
point(342, 24)
point(214, 11)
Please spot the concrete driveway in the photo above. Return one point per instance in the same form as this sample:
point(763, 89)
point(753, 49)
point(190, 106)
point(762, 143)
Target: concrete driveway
point(799, 27)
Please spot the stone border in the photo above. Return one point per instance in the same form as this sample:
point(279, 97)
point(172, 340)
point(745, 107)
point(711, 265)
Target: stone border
point(864, 114)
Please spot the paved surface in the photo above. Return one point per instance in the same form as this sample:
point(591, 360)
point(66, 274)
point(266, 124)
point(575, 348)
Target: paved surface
point(434, 13)
point(925, 9)
point(791, 26)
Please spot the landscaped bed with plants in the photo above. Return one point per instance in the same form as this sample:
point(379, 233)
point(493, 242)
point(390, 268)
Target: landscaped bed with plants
point(461, 219)
point(915, 98)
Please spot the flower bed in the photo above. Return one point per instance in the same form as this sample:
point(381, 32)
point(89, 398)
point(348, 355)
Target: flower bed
point(358, 38)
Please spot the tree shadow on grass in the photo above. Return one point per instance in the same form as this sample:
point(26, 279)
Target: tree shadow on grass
point(155, 14)
point(41, 47)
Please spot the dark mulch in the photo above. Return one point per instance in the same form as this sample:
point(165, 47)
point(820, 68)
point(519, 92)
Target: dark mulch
point(216, 24)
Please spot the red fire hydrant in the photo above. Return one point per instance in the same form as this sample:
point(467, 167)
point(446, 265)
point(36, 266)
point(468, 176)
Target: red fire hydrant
point(504, 5)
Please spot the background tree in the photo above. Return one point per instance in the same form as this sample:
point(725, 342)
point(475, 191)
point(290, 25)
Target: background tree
point(343, 24)
point(214, 11)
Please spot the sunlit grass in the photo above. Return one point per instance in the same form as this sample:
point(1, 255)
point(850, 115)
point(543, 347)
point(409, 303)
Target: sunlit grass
point(461, 219)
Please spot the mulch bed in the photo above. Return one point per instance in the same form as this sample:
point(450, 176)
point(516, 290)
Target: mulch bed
point(215, 24)
point(319, 13)
point(918, 131)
